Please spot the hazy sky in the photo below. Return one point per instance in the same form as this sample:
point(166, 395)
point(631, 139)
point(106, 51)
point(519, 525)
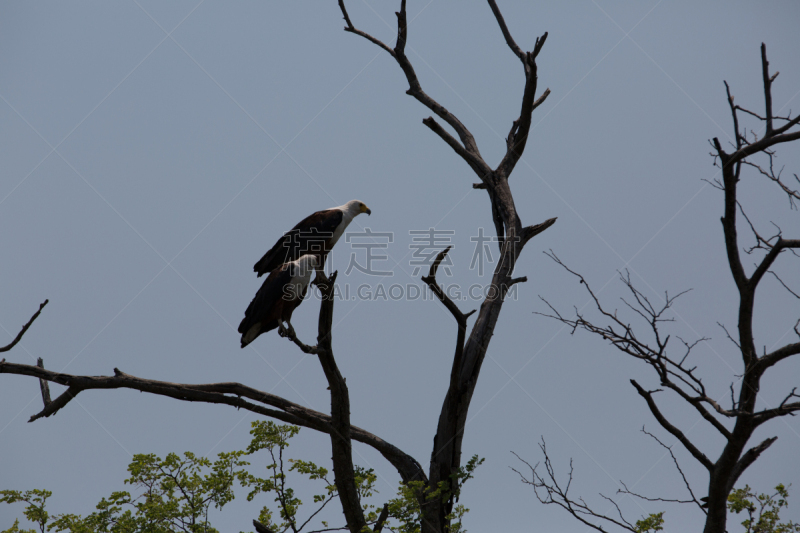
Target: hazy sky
point(153, 151)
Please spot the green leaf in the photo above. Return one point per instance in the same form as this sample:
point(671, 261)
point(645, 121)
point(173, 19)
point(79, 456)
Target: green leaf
point(653, 522)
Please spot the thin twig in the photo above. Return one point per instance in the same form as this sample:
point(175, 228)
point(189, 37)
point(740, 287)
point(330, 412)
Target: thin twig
point(24, 328)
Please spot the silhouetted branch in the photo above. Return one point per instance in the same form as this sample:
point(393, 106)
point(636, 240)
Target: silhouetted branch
point(673, 372)
point(468, 149)
point(470, 350)
point(451, 141)
point(342, 455)
point(677, 433)
point(729, 335)
point(353, 29)
point(761, 242)
point(44, 385)
point(767, 86)
point(739, 138)
point(430, 280)
point(292, 336)
point(790, 291)
point(554, 493)
point(777, 248)
point(24, 328)
point(680, 471)
point(506, 34)
point(381, 519)
point(772, 135)
point(530, 232)
point(779, 355)
point(776, 178)
point(748, 458)
point(233, 394)
point(783, 409)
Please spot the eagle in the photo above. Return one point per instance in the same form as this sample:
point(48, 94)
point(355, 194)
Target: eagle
point(278, 297)
point(316, 234)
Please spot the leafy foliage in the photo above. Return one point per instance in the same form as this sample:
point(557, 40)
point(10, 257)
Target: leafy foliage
point(653, 522)
point(175, 494)
point(406, 509)
point(275, 438)
point(34, 511)
point(762, 510)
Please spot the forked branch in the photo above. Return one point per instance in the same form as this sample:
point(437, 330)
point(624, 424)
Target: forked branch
point(549, 491)
point(430, 280)
point(233, 394)
point(305, 348)
point(470, 350)
point(468, 148)
point(677, 433)
point(673, 372)
point(772, 135)
point(693, 498)
point(529, 232)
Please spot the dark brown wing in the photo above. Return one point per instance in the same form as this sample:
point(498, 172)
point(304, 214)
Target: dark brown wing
point(265, 300)
point(311, 235)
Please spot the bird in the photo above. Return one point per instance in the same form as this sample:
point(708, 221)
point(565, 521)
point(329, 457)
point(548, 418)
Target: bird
point(282, 291)
point(316, 234)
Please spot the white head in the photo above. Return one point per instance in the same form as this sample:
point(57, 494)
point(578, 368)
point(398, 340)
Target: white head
point(356, 207)
point(303, 267)
point(308, 261)
point(300, 272)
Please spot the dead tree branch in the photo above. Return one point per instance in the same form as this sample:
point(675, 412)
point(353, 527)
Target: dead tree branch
point(680, 471)
point(233, 394)
point(512, 237)
point(24, 329)
point(674, 373)
point(44, 385)
point(548, 491)
point(554, 493)
point(468, 148)
point(343, 468)
point(696, 453)
point(470, 350)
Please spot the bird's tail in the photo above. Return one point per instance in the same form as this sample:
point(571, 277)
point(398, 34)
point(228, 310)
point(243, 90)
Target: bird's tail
point(250, 335)
point(256, 330)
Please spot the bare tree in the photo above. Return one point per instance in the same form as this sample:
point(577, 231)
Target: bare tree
point(436, 489)
point(736, 422)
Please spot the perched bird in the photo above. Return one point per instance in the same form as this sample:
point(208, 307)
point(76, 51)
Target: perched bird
point(316, 234)
point(278, 297)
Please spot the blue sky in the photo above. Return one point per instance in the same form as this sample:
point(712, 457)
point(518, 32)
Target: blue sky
point(153, 151)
